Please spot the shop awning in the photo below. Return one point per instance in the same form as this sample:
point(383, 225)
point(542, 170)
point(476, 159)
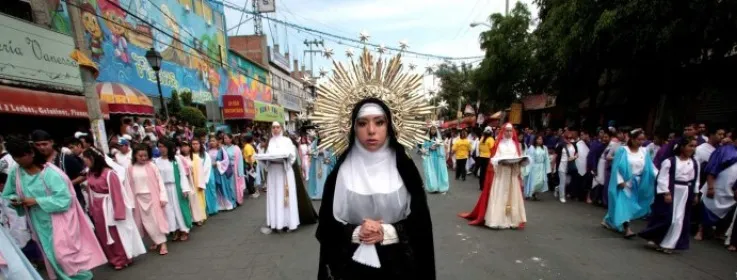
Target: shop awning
point(23, 101)
point(266, 112)
point(238, 107)
point(123, 99)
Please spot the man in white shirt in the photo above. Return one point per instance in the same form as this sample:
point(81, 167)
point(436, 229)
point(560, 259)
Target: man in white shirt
point(125, 154)
point(704, 151)
point(583, 181)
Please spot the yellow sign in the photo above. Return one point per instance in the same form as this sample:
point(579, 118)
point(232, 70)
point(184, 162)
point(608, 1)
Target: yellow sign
point(515, 113)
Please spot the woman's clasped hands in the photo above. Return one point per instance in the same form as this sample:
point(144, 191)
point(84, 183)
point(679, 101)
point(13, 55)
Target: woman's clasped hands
point(371, 232)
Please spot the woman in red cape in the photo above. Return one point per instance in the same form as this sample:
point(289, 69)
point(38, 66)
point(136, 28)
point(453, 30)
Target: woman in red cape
point(501, 204)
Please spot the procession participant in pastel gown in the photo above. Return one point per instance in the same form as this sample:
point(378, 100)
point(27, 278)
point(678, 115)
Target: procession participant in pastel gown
point(13, 262)
point(320, 167)
point(501, 204)
point(198, 210)
point(237, 178)
point(631, 185)
point(304, 154)
point(223, 170)
point(433, 163)
point(16, 226)
point(150, 196)
point(536, 180)
point(718, 194)
point(281, 200)
point(566, 165)
point(307, 213)
point(44, 193)
point(111, 209)
point(677, 185)
point(174, 175)
point(374, 219)
point(486, 144)
point(203, 178)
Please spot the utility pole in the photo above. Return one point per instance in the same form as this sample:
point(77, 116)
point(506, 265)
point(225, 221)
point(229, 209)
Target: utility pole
point(97, 123)
point(506, 7)
point(312, 53)
point(257, 27)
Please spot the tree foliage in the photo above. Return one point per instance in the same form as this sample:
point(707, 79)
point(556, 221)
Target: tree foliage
point(193, 116)
point(175, 104)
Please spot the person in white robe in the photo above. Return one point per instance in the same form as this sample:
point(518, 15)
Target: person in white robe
point(668, 226)
point(501, 204)
point(178, 213)
point(281, 187)
point(583, 185)
point(718, 193)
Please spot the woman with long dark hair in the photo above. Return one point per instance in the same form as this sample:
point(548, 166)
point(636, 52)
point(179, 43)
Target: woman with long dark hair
point(631, 186)
point(236, 178)
point(433, 162)
point(46, 195)
point(204, 179)
point(536, 180)
point(174, 174)
point(150, 196)
point(111, 208)
point(374, 218)
point(486, 144)
point(669, 225)
point(198, 210)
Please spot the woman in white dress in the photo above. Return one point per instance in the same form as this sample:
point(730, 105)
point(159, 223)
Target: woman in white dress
point(173, 173)
point(281, 196)
point(150, 197)
point(501, 204)
point(668, 227)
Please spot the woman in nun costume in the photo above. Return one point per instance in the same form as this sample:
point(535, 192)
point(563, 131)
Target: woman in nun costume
point(669, 225)
point(374, 219)
point(282, 211)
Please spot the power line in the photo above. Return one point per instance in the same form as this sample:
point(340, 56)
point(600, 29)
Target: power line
point(230, 5)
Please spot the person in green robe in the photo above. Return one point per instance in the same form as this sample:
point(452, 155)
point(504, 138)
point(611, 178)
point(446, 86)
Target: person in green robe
point(43, 192)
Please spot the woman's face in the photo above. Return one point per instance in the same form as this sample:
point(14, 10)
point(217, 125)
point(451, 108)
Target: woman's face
point(141, 156)
point(25, 160)
point(433, 131)
point(640, 139)
point(539, 140)
point(276, 130)
point(227, 140)
point(163, 150)
point(88, 161)
point(371, 131)
point(508, 133)
point(688, 151)
point(196, 146)
point(185, 149)
point(213, 142)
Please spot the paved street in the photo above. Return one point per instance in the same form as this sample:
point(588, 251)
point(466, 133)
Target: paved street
point(560, 242)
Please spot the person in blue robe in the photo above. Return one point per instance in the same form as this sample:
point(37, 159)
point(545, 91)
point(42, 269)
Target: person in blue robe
point(631, 185)
point(14, 263)
point(536, 178)
point(320, 167)
point(433, 163)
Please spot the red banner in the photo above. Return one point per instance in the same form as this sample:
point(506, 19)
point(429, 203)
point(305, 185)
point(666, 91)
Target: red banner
point(22, 101)
point(238, 107)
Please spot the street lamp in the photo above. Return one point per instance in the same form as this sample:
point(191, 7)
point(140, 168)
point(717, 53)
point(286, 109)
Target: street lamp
point(474, 24)
point(154, 60)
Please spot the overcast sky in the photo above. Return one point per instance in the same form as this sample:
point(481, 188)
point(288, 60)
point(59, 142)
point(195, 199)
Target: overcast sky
point(439, 27)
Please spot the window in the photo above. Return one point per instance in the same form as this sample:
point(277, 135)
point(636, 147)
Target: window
point(17, 8)
point(186, 4)
point(198, 7)
point(207, 13)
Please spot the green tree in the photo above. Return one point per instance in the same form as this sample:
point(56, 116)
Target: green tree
point(175, 104)
point(193, 116)
point(186, 98)
point(506, 71)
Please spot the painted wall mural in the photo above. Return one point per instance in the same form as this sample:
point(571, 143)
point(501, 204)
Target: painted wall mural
point(188, 34)
point(247, 79)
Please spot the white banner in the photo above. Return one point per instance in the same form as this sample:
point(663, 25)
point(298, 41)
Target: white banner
point(266, 6)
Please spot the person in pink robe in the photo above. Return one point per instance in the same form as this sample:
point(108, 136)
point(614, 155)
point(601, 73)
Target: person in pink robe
point(150, 197)
point(114, 227)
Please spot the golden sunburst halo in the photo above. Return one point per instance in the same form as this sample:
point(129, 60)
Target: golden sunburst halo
point(370, 77)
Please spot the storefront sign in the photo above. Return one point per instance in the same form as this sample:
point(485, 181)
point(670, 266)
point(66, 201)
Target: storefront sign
point(237, 107)
point(280, 60)
point(289, 101)
point(35, 55)
point(40, 103)
point(268, 112)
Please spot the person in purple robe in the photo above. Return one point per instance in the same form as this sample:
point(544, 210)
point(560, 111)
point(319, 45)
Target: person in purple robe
point(601, 168)
point(666, 151)
point(668, 226)
point(718, 194)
